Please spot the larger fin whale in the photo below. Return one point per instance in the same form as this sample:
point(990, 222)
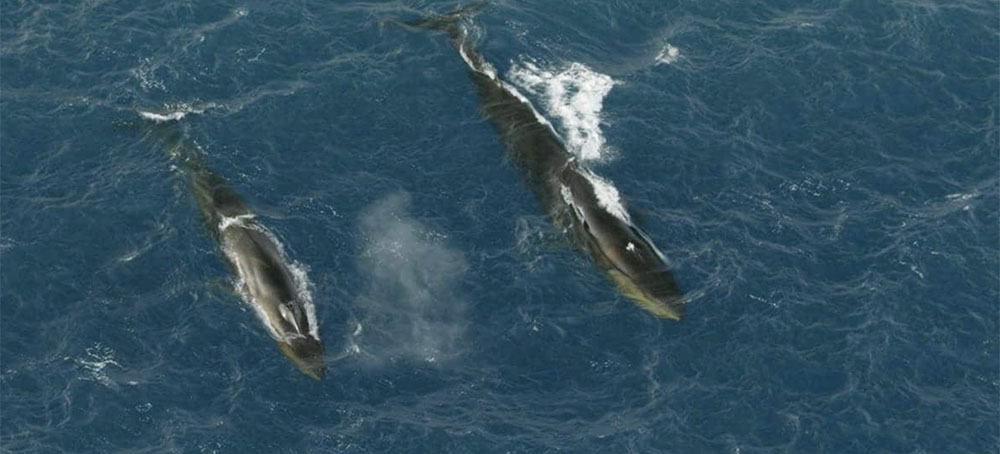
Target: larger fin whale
point(570, 193)
point(253, 253)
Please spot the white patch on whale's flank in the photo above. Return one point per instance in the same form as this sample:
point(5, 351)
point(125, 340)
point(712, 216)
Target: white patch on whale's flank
point(227, 222)
point(287, 314)
point(575, 95)
point(302, 283)
point(630, 247)
point(567, 194)
point(607, 196)
point(242, 290)
point(669, 54)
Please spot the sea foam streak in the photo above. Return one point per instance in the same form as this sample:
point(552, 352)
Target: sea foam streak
point(160, 118)
point(175, 112)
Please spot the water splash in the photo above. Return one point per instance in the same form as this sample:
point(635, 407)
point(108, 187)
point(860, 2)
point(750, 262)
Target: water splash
point(575, 95)
point(668, 55)
point(99, 357)
point(608, 197)
point(175, 111)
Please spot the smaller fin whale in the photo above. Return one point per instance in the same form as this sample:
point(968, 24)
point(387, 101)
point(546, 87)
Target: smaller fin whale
point(265, 275)
point(575, 198)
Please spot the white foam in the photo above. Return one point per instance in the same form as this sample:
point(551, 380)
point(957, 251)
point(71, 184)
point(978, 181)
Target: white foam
point(512, 90)
point(227, 222)
point(146, 74)
point(175, 112)
point(962, 196)
point(607, 196)
point(98, 358)
point(669, 54)
point(241, 289)
point(160, 118)
point(575, 95)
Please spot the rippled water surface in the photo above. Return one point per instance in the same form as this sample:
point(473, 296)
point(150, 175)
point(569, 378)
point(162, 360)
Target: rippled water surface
point(823, 178)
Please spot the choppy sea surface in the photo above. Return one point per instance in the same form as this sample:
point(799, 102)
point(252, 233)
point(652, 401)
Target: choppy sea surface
point(822, 176)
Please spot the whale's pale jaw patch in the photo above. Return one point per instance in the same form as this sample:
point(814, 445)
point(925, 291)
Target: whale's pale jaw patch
point(307, 354)
point(668, 305)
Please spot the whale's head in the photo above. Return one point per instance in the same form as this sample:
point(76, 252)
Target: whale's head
point(619, 247)
point(654, 291)
point(306, 352)
point(636, 267)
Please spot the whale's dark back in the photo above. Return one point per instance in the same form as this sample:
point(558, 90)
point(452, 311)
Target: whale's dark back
point(562, 184)
point(528, 142)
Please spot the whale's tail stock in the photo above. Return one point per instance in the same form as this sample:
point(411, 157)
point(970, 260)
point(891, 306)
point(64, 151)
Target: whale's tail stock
point(451, 23)
point(445, 22)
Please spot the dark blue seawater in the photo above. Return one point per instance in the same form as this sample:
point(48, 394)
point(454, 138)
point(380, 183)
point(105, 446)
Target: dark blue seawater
point(823, 177)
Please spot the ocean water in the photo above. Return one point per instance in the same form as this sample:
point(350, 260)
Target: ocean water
point(823, 177)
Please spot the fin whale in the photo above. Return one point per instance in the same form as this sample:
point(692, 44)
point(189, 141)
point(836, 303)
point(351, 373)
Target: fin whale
point(254, 255)
point(564, 187)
